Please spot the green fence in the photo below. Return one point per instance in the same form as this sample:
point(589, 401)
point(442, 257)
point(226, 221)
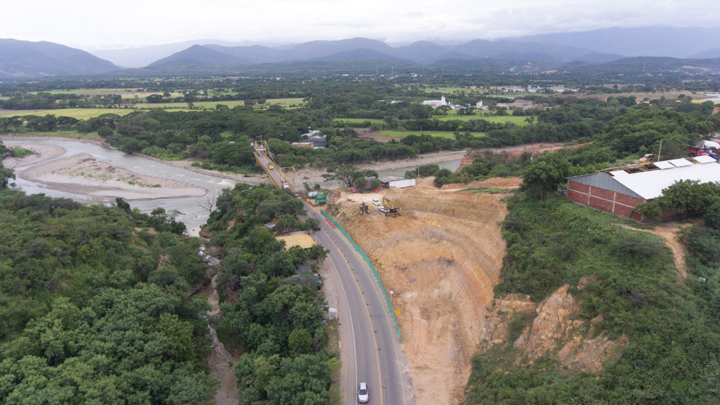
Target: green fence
point(367, 260)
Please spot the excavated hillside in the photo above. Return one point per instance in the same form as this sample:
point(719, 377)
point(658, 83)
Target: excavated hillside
point(441, 259)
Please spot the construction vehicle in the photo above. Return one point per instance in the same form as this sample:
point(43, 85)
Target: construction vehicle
point(704, 148)
point(364, 209)
point(389, 209)
point(648, 158)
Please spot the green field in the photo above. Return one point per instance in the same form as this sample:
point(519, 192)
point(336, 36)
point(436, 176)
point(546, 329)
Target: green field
point(519, 121)
point(86, 113)
point(440, 134)
point(336, 121)
point(126, 94)
point(79, 113)
point(68, 134)
point(283, 102)
point(451, 90)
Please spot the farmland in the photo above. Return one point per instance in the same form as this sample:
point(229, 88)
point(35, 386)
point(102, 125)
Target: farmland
point(283, 102)
point(439, 134)
point(451, 90)
point(519, 121)
point(78, 113)
point(378, 121)
point(127, 94)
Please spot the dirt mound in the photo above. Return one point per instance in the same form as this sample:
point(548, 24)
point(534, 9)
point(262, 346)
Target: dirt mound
point(465, 162)
point(442, 259)
point(495, 182)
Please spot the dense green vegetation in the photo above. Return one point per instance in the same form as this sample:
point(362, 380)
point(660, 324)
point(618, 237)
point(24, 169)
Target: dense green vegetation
point(634, 290)
point(630, 288)
point(276, 314)
point(220, 137)
point(94, 306)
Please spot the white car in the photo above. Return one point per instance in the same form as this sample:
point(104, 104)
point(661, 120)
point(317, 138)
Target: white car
point(376, 201)
point(382, 209)
point(363, 393)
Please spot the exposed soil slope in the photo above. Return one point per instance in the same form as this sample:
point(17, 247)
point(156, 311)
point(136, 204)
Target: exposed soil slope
point(442, 259)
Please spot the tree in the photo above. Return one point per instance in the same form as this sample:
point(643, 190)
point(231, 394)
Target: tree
point(154, 98)
point(545, 174)
point(344, 174)
point(300, 342)
point(105, 132)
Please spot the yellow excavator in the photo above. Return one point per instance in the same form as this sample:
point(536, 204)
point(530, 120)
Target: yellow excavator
point(389, 209)
point(364, 209)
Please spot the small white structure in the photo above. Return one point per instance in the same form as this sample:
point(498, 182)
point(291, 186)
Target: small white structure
point(436, 103)
point(402, 183)
point(480, 106)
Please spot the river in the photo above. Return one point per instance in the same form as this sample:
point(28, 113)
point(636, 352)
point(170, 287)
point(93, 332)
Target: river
point(190, 209)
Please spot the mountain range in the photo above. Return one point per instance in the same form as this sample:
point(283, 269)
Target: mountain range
point(37, 59)
point(356, 49)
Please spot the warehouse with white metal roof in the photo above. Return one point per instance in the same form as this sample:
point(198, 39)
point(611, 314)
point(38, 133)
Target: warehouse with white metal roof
point(618, 191)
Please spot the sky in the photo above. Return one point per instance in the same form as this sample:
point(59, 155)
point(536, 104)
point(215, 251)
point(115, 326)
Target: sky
point(96, 24)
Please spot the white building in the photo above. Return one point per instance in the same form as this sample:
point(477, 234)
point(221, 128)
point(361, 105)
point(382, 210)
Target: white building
point(436, 103)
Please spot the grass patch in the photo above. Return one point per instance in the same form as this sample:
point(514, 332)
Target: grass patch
point(518, 323)
point(488, 190)
point(449, 90)
point(20, 153)
point(440, 134)
point(519, 121)
point(67, 134)
point(78, 113)
point(211, 105)
point(339, 121)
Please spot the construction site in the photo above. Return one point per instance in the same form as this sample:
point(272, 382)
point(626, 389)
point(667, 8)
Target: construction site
point(440, 252)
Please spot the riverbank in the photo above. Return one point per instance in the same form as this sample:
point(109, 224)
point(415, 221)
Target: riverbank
point(41, 153)
point(314, 175)
point(83, 174)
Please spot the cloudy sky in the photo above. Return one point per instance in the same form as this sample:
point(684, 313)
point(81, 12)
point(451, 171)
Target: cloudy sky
point(97, 24)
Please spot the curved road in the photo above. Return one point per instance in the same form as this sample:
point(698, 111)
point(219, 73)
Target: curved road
point(377, 357)
point(371, 350)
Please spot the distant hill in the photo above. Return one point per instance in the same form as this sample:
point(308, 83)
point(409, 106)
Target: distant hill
point(425, 52)
point(709, 54)
point(361, 55)
point(649, 41)
point(642, 65)
point(356, 49)
point(198, 55)
point(141, 57)
point(40, 59)
point(252, 54)
point(318, 49)
point(510, 49)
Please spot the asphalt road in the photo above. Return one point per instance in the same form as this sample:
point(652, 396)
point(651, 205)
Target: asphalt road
point(378, 356)
point(371, 350)
point(277, 177)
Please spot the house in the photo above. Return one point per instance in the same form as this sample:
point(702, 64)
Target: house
point(618, 191)
point(435, 103)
